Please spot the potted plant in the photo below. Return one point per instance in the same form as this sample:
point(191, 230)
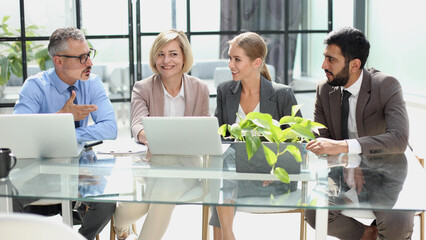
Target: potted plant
point(261, 126)
point(11, 52)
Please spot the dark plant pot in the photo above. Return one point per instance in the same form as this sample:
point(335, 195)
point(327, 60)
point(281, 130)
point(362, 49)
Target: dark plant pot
point(258, 163)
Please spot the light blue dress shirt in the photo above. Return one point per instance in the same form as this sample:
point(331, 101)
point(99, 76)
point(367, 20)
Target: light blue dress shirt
point(45, 92)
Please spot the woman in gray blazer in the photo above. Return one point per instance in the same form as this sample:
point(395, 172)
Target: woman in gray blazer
point(251, 90)
point(168, 92)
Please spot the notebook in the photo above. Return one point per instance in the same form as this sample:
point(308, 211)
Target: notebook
point(183, 135)
point(39, 135)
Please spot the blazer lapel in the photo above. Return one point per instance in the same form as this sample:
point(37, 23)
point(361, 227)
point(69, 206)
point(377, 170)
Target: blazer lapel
point(158, 93)
point(363, 98)
point(266, 91)
point(335, 97)
point(189, 96)
point(233, 101)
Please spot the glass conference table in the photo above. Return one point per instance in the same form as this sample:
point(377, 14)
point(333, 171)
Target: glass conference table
point(390, 182)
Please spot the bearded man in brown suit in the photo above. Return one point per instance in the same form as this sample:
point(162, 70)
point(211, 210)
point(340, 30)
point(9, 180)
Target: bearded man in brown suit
point(377, 123)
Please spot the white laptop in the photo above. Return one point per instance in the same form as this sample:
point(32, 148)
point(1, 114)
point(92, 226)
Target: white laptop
point(183, 135)
point(39, 135)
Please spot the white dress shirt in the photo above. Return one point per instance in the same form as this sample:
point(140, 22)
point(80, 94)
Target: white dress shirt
point(174, 106)
point(354, 148)
point(353, 145)
point(241, 114)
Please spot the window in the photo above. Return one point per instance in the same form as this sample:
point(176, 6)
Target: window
point(123, 32)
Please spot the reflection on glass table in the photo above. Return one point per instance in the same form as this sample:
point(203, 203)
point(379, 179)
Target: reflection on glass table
point(390, 182)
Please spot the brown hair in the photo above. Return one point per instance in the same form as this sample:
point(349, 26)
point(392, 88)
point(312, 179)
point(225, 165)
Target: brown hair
point(165, 38)
point(254, 47)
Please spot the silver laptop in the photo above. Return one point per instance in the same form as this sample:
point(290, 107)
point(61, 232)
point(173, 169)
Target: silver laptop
point(39, 135)
point(183, 135)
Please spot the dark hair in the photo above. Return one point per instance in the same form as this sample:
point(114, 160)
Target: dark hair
point(352, 43)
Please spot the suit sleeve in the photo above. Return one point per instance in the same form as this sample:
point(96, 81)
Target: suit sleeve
point(319, 115)
point(219, 106)
point(205, 108)
point(395, 137)
point(287, 102)
point(139, 108)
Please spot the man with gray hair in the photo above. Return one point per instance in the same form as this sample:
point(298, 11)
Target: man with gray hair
point(70, 87)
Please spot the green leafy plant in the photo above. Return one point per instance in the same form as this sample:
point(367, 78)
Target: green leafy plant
point(11, 52)
point(261, 125)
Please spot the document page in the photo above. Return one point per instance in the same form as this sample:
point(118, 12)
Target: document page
point(120, 147)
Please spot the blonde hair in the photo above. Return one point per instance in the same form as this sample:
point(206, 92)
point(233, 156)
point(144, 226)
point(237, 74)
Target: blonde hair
point(165, 38)
point(254, 47)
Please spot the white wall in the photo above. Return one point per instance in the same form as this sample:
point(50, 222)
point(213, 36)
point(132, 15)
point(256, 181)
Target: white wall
point(396, 33)
point(397, 37)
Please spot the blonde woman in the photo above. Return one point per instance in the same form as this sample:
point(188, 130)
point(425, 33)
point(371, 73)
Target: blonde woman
point(251, 90)
point(168, 92)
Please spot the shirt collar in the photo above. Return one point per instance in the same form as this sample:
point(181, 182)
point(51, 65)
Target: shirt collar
point(181, 91)
point(58, 83)
point(354, 88)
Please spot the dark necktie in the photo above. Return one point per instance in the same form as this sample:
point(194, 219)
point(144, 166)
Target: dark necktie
point(70, 88)
point(345, 114)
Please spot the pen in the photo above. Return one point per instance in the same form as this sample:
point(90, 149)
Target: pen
point(92, 144)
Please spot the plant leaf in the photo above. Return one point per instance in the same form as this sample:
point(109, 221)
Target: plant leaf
point(317, 125)
point(299, 119)
point(252, 145)
point(270, 155)
point(16, 67)
point(235, 130)
point(4, 69)
point(282, 175)
point(295, 109)
point(289, 134)
point(247, 125)
point(276, 133)
point(287, 120)
point(5, 18)
point(222, 130)
point(302, 131)
point(263, 120)
point(295, 152)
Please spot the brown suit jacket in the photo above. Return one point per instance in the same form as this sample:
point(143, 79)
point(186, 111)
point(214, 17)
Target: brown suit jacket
point(148, 99)
point(381, 115)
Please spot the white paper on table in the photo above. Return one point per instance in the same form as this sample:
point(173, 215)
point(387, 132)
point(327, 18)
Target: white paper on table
point(122, 146)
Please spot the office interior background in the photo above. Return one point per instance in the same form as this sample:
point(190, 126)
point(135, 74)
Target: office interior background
point(123, 31)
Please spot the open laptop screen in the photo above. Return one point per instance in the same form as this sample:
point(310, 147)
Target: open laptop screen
point(183, 135)
point(39, 135)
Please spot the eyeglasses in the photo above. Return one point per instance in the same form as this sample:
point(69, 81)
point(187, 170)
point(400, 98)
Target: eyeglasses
point(83, 57)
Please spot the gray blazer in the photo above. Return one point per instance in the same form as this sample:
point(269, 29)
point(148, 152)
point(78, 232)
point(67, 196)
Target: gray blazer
point(381, 115)
point(275, 99)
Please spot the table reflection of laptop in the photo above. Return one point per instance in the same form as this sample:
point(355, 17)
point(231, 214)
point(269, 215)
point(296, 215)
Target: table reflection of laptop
point(39, 135)
point(183, 135)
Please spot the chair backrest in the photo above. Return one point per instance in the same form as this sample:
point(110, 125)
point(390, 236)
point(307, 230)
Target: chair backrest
point(421, 161)
point(205, 69)
point(28, 226)
point(222, 74)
